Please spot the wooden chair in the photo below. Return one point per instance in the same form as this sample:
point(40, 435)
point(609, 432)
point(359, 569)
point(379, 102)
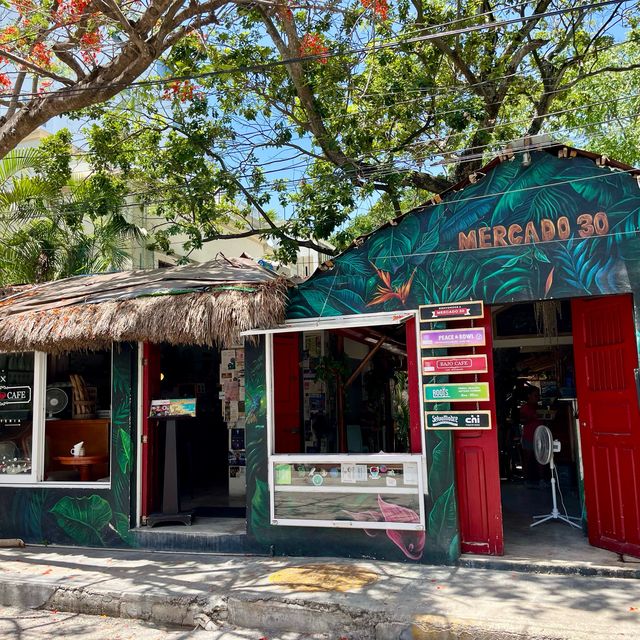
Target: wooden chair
point(84, 398)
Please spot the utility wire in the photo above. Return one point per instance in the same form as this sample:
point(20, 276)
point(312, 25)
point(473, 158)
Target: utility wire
point(66, 91)
point(445, 152)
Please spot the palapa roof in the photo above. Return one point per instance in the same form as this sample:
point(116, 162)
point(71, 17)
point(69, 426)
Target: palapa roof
point(207, 304)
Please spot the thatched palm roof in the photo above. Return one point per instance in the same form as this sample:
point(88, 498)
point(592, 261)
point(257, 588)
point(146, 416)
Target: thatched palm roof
point(208, 304)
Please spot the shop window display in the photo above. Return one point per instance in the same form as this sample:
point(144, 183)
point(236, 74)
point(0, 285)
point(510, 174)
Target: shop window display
point(78, 416)
point(55, 417)
point(16, 413)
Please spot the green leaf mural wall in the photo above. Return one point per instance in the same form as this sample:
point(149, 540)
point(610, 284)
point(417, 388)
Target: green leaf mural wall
point(422, 250)
point(84, 517)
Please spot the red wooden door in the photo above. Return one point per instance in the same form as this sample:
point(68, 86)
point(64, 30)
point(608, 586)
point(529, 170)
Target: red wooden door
point(605, 353)
point(150, 459)
point(477, 467)
point(286, 393)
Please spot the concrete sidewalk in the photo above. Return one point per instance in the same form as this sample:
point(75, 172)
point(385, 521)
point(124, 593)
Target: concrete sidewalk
point(355, 599)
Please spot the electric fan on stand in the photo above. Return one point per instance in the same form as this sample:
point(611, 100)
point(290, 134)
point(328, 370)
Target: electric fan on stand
point(543, 448)
point(55, 401)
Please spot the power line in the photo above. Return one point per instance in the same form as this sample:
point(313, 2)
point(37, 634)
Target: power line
point(66, 91)
point(578, 108)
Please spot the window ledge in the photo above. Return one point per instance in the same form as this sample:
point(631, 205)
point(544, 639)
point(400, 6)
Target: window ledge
point(55, 485)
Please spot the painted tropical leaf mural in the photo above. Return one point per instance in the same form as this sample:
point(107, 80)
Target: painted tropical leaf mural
point(83, 519)
point(424, 259)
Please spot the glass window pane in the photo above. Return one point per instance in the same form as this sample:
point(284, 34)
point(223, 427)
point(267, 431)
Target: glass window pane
point(366, 507)
point(16, 413)
point(78, 416)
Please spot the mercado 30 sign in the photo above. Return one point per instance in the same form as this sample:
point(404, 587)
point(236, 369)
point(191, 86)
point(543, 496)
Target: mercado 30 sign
point(584, 225)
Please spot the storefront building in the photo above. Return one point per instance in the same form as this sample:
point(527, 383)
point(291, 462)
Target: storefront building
point(546, 243)
point(357, 425)
point(81, 460)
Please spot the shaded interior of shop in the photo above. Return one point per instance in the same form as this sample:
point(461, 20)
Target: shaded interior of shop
point(202, 441)
point(535, 384)
point(341, 391)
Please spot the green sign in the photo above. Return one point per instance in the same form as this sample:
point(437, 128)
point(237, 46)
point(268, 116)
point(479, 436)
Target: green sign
point(457, 392)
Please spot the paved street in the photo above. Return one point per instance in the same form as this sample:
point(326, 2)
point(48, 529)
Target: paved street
point(29, 624)
point(335, 597)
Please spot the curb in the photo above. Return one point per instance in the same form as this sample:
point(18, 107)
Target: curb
point(251, 612)
point(554, 568)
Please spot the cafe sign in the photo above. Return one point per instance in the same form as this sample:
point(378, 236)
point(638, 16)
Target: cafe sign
point(14, 395)
point(457, 420)
point(457, 392)
point(448, 365)
point(473, 337)
point(452, 311)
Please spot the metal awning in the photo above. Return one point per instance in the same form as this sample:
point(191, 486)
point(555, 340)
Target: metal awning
point(337, 322)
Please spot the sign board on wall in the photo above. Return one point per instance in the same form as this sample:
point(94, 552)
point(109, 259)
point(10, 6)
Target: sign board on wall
point(14, 395)
point(452, 420)
point(457, 392)
point(438, 363)
point(452, 311)
point(451, 365)
point(473, 337)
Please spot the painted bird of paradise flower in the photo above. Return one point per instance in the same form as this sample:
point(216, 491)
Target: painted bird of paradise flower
point(386, 291)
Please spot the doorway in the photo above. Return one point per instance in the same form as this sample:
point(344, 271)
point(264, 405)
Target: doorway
point(535, 385)
point(568, 366)
point(207, 477)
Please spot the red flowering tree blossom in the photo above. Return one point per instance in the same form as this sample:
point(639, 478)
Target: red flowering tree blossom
point(64, 55)
point(380, 8)
point(312, 44)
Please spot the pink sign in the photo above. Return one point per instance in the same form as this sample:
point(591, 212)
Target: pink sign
point(440, 365)
point(453, 338)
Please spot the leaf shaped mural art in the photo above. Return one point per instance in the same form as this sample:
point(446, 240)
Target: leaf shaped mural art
point(83, 519)
point(122, 528)
point(442, 523)
point(124, 451)
point(388, 250)
point(514, 203)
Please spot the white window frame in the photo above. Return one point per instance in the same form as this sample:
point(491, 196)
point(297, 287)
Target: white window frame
point(36, 477)
point(338, 322)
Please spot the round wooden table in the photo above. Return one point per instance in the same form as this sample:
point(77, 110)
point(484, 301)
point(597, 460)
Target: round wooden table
point(82, 463)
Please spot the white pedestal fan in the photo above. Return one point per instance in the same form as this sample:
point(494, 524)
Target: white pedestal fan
point(543, 447)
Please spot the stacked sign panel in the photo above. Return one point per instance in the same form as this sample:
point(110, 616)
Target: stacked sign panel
point(449, 365)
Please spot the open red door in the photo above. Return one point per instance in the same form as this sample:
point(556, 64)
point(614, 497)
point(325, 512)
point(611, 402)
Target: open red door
point(286, 393)
point(477, 466)
point(605, 353)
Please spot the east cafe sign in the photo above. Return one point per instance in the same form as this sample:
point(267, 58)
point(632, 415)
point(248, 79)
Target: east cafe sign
point(584, 225)
point(13, 395)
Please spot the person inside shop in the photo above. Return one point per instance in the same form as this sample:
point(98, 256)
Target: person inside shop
point(533, 471)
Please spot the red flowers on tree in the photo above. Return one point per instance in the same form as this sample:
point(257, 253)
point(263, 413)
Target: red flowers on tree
point(380, 8)
point(5, 82)
point(90, 42)
point(182, 90)
point(40, 54)
point(312, 45)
